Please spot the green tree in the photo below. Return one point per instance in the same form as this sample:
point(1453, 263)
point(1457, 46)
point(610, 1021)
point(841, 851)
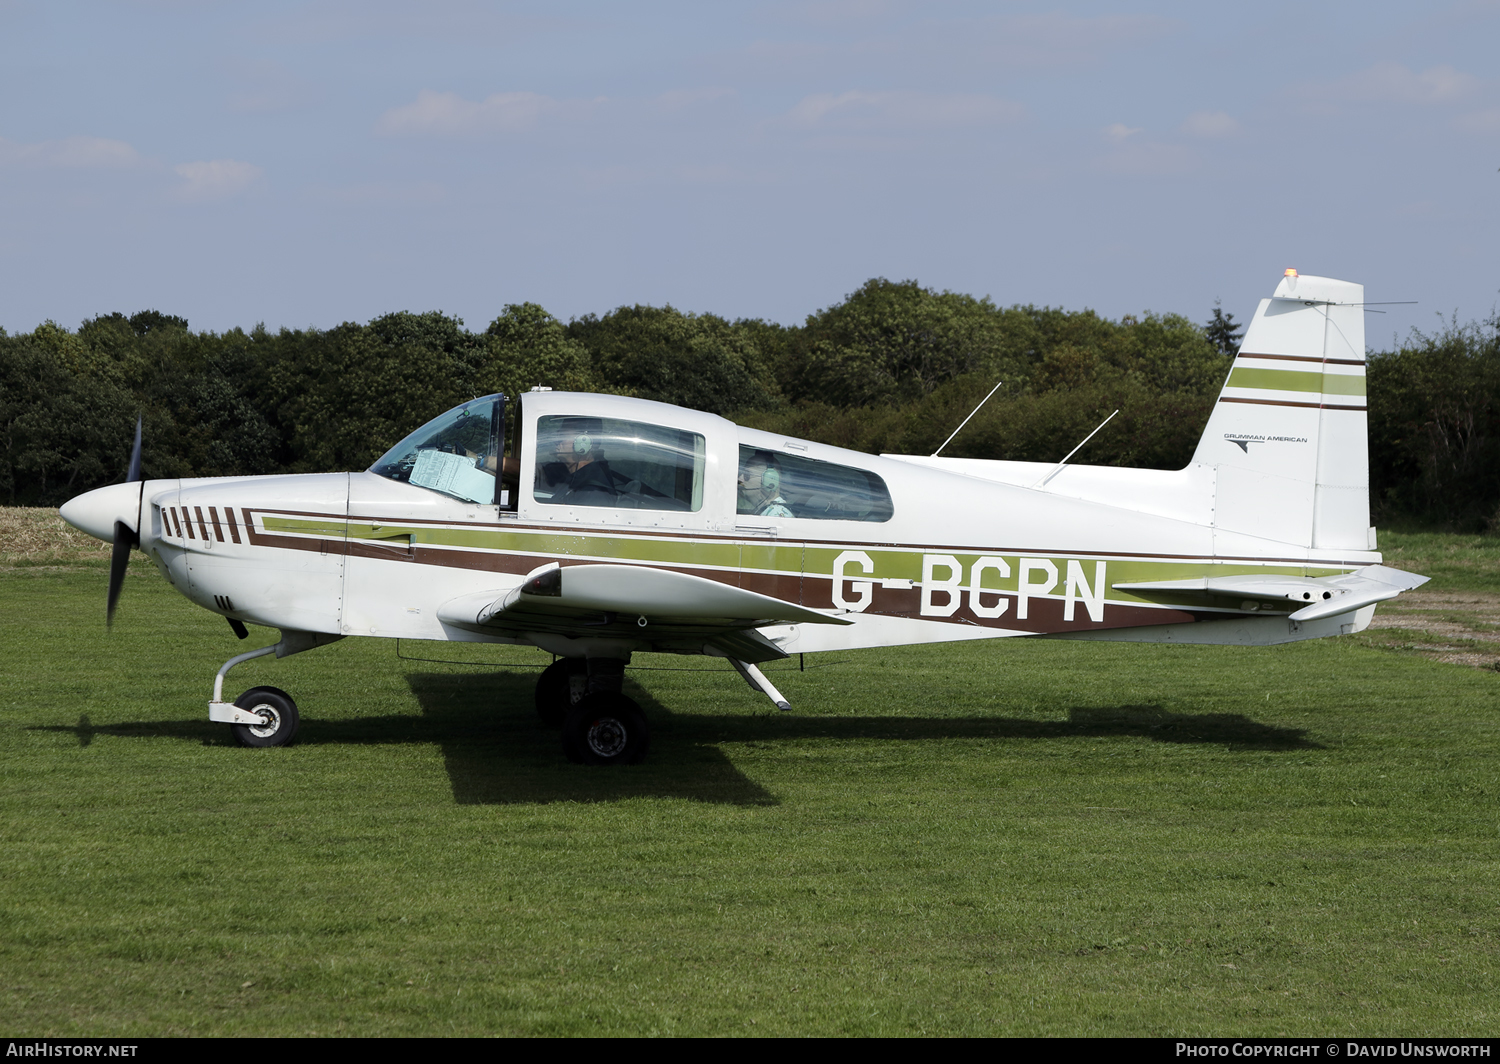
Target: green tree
point(65, 427)
point(525, 347)
point(1434, 413)
point(892, 341)
point(1223, 332)
point(694, 360)
point(344, 396)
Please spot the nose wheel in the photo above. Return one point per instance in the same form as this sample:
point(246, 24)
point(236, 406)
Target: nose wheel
point(278, 714)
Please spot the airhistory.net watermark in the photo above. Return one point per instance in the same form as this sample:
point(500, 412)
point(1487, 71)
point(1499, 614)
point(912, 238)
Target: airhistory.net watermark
point(69, 1049)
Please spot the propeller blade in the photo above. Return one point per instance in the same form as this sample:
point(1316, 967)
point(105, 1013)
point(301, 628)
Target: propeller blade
point(135, 455)
point(119, 557)
point(125, 538)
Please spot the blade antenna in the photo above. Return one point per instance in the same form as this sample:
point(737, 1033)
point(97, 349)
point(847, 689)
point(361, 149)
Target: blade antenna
point(966, 420)
point(1058, 468)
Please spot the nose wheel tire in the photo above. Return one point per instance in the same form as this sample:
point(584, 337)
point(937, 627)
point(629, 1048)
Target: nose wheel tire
point(606, 729)
point(554, 690)
point(277, 710)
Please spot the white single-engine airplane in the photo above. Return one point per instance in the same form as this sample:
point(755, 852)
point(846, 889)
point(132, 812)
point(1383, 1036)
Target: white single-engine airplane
point(599, 526)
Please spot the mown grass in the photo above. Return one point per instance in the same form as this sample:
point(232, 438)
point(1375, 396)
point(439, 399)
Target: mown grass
point(1022, 838)
point(1454, 562)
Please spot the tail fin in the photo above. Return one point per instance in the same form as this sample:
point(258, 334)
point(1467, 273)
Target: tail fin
point(1288, 435)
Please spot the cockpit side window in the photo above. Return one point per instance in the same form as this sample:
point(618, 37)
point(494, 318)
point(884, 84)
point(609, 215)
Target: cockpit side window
point(457, 453)
point(789, 485)
point(592, 461)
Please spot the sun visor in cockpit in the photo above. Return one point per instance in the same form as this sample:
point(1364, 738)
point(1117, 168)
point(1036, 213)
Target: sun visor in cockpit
point(452, 474)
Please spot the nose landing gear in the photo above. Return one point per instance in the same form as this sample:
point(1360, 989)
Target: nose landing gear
point(278, 714)
point(264, 716)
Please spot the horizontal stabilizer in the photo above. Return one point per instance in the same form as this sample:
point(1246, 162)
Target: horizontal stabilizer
point(1312, 597)
point(747, 646)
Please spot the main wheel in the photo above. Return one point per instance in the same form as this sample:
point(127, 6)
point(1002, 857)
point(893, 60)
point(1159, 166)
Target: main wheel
point(606, 729)
point(281, 718)
point(554, 690)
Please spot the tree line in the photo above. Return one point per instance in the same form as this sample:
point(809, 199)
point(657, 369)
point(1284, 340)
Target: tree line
point(893, 367)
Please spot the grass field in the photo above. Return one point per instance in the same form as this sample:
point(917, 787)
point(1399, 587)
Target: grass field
point(1023, 838)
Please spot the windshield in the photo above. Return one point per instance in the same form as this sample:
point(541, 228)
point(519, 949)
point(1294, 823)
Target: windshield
point(457, 453)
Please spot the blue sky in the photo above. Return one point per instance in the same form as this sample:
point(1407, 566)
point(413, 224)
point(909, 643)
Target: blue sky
point(310, 163)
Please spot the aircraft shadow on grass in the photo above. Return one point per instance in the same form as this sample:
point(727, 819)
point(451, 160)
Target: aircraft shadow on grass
point(497, 752)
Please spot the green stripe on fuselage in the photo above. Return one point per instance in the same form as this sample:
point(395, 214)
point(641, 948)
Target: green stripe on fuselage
point(1290, 380)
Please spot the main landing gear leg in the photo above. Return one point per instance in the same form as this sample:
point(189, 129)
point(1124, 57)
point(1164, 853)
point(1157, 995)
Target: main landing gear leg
point(559, 688)
point(263, 716)
point(604, 727)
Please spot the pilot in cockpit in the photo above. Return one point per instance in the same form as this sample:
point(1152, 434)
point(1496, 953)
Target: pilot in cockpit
point(578, 463)
point(760, 486)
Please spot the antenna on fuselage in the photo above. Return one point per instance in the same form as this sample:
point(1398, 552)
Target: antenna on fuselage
point(1058, 468)
point(966, 420)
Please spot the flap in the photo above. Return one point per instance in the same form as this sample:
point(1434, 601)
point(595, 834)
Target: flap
point(636, 600)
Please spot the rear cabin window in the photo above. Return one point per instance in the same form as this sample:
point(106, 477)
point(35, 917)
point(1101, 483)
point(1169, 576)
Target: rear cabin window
point(592, 461)
point(787, 485)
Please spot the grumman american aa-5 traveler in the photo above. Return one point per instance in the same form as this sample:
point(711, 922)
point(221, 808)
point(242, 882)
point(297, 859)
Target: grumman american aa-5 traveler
point(595, 527)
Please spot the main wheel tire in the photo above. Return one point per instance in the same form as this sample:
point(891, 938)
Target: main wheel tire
point(554, 690)
point(606, 729)
point(275, 704)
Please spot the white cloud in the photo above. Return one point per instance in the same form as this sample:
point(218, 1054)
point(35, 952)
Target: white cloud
point(1394, 83)
point(70, 153)
point(216, 178)
point(1119, 132)
point(1210, 124)
point(903, 110)
point(448, 114)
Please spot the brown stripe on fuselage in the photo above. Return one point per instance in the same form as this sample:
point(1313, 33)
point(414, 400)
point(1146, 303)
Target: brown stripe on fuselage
point(271, 539)
point(1285, 402)
point(178, 524)
point(1307, 358)
point(213, 512)
point(202, 524)
point(234, 531)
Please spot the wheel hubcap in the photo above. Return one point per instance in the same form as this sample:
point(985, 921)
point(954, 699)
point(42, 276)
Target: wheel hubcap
point(607, 737)
point(272, 722)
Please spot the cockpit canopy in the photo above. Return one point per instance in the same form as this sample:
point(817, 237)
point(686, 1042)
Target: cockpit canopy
point(607, 461)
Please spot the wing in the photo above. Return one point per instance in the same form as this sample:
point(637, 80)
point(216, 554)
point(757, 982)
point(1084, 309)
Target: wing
point(661, 607)
point(1309, 597)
